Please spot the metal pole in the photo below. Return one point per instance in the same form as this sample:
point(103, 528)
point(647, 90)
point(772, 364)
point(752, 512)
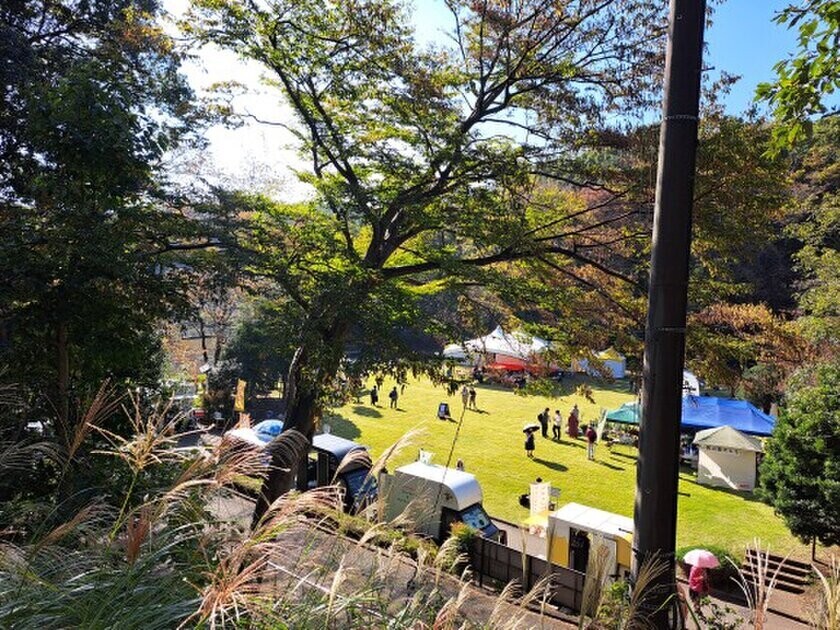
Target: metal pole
point(658, 466)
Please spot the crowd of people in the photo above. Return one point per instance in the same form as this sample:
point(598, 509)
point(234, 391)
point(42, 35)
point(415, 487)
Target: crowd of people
point(545, 418)
point(572, 430)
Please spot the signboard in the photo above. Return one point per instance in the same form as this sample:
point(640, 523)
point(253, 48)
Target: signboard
point(239, 399)
point(540, 497)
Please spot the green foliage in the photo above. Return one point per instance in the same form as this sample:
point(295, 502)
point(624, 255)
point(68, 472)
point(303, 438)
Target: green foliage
point(464, 536)
point(263, 343)
point(805, 80)
point(387, 537)
point(710, 614)
point(762, 385)
point(800, 473)
point(416, 192)
point(720, 577)
point(816, 225)
point(88, 237)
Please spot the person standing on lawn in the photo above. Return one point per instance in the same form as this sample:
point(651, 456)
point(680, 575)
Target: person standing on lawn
point(473, 406)
point(374, 396)
point(465, 396)
point(557, 425)
point(591, 439)
point(543, 419)
point(529, 444)
point(572, 429)
point(394, 396)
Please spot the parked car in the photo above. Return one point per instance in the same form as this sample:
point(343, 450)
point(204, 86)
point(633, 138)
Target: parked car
point(325, 456)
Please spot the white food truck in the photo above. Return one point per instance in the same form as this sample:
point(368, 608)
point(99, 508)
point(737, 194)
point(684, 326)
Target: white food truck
point(434, 497)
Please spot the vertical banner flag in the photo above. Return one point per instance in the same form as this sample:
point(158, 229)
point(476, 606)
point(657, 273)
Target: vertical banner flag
point(239, 400)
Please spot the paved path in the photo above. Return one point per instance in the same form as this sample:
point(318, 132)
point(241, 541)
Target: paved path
point(309, 559)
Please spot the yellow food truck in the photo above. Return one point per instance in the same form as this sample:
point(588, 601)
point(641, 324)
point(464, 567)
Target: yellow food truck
point(573, 529)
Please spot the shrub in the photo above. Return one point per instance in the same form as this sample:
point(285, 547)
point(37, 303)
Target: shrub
point(721, 577)
point(464, 535)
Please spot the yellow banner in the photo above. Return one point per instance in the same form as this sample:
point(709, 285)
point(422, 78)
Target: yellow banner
point(239, 400)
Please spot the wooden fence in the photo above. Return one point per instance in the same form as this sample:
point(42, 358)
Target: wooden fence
point(495, 564)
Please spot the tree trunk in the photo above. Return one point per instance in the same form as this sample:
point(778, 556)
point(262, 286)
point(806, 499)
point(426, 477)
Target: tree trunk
point(313, 368)
point(203, 337)
point(63, 429)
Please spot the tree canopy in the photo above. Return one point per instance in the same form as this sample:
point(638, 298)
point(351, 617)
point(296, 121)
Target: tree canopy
point(809, 76)
point(800, 474)
point(427, 162)
point(90, 234)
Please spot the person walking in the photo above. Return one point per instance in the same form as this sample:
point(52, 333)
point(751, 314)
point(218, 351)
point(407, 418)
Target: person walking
point(394, 396)
point(465, 396)
point(591, 438)
point(374, 396)
point(529, 444)
point(472, 398)
point(543, 420)
point(557, 425)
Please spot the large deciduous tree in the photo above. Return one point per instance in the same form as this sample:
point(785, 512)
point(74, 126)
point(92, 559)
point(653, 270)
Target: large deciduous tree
point(92, 99)
point(815, 224)
point(424, 159)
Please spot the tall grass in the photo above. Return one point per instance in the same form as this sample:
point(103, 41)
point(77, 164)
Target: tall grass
point(155, 552)
point(826, 612)
point(759, 586)
point(597, 571)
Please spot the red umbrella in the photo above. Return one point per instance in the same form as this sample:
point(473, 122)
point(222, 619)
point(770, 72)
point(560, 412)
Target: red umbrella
point(701, 558)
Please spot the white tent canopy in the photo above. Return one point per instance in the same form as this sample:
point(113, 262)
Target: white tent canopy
point(614, 362)
point(515, 345)
point(691, 384)
point(454, 351)
point(727, 458)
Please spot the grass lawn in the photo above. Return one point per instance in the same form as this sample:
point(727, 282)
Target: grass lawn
point(491, 443)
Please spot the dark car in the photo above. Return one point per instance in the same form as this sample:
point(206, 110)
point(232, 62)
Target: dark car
point(322, 465)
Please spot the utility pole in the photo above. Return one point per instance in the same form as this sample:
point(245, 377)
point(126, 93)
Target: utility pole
point(658, 467)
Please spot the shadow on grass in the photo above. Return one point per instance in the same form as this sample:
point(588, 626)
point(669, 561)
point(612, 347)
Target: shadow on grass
point(367, 412)
point(624, 455)
point(608, 465)
point(343, 427)
point(552, 465)
point(569, 442)
point(741, 494)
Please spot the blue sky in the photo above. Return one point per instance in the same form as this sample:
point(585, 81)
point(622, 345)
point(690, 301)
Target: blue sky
point(743, 40)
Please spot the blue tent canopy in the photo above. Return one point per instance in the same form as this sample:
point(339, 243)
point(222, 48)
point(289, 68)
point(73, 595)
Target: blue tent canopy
point(707, 412)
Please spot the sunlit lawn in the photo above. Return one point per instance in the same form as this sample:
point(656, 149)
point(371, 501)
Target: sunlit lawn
point(491, 444)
